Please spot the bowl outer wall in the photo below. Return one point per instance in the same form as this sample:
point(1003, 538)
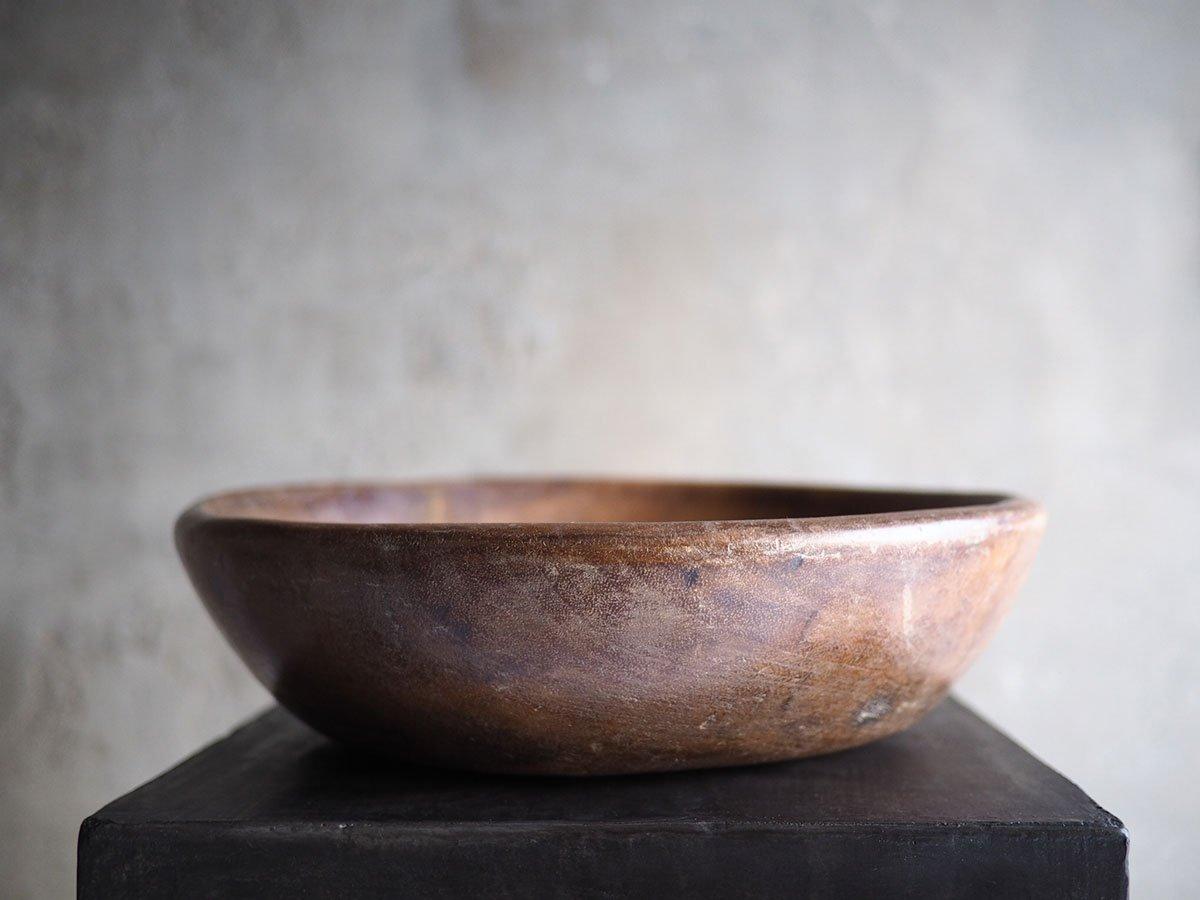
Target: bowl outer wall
point(611, 647)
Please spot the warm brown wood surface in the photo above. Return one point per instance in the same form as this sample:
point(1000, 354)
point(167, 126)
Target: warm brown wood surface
point(591, 627)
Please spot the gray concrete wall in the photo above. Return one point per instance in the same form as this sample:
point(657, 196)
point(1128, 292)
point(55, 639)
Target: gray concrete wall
point(950, 244)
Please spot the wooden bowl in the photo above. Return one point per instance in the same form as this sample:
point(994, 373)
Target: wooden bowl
point(598, 627)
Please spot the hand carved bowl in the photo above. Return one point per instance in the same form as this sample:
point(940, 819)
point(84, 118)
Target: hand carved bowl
point(599, 627)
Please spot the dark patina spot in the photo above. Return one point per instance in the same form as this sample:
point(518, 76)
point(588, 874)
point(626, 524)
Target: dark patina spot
point(692, 577)
point(459, 628)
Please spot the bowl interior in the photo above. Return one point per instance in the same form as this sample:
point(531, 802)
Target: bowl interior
point(494, 501)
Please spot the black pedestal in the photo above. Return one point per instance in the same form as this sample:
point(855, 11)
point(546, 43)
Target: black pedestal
point(950, 809)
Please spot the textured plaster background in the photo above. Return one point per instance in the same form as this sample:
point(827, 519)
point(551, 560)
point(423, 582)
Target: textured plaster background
point(947, 244)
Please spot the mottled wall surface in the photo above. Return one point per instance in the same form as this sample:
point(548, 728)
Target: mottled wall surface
point(950, 244)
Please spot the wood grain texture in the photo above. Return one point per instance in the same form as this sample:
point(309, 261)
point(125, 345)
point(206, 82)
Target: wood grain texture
point(589, 627)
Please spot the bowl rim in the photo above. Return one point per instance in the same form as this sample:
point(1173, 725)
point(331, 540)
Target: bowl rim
point(980, 512)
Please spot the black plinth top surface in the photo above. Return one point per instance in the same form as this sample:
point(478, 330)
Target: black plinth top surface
point(951, 808)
